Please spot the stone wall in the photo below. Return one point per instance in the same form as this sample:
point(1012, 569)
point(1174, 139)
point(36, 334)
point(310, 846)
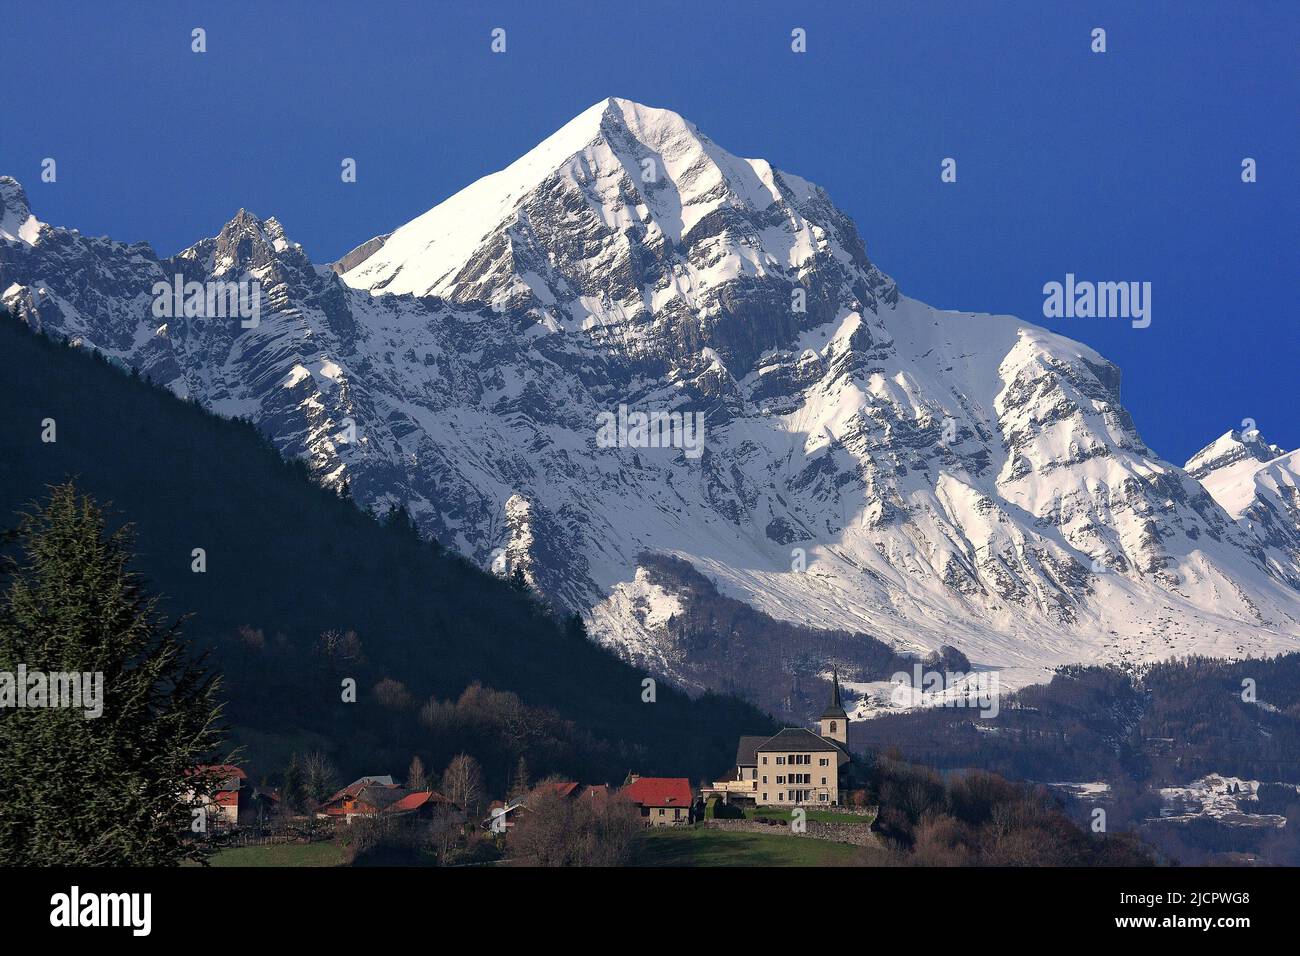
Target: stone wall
point(859, 834)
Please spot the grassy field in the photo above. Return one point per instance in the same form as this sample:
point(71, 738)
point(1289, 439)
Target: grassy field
point(671, 846)
point(696, 846)
point(327, 853)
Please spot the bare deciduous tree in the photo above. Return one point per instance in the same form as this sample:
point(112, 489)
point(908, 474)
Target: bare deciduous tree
point(416, 778)
point(320, 778)
point(561, 831)
point(462, 782)
point(392, 694)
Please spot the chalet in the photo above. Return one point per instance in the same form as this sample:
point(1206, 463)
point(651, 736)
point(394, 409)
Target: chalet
point(663, 801)
point(374, 795)
point(795, 766)
point(363, 797)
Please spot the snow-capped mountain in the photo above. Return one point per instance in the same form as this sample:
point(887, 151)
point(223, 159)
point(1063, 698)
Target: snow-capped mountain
point(869, 464)
point(1258, 484)
point(1231, 455)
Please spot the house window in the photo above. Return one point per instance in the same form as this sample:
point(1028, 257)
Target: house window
point(765, 798)
point(821, 796)
point(780, 761)
point(764, 761)
point(823, 762)
point(823, 781)
point(661, 811)
point(780, 797)
point(764, 779)
point(832, 726)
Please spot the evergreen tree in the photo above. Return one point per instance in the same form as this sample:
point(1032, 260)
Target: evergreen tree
point(119, 788)
point(399, 518)
point(292, 793)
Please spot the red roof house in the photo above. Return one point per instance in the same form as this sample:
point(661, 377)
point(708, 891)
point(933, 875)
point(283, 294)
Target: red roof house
point(663, 801)
point(420, 802)
point(227, 788)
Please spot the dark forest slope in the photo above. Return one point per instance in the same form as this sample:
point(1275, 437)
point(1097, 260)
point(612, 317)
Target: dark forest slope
point(288, 561)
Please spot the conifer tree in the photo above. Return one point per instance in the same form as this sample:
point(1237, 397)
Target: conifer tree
point(119, 788)
point(292, 793)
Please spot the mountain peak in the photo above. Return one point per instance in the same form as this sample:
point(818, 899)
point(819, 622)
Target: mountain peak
point(624, 210)
point(423, 256)
point(12, 196)
point(1229, 449)
point(17, 224)
point(600, 119)
point(245, 242)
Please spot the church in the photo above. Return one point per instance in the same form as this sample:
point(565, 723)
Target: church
point(794, 767)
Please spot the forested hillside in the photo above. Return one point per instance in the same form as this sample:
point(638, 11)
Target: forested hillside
point(302, 589)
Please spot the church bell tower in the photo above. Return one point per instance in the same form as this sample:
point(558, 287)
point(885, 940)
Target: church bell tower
point(834, 722)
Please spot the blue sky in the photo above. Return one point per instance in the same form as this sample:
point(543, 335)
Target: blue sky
point(1116, 166)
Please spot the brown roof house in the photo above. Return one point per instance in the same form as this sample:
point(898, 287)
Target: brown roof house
point(374, 795)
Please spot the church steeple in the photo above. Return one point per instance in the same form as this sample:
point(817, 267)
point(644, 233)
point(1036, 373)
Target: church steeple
point(834, 722)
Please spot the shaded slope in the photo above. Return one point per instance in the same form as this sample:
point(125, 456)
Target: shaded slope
point(291, 560)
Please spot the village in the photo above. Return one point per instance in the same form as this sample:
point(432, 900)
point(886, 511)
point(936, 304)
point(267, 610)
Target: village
point(794, 783)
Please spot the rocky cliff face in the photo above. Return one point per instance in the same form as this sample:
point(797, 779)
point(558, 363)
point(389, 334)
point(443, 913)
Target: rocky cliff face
point(869, 464)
